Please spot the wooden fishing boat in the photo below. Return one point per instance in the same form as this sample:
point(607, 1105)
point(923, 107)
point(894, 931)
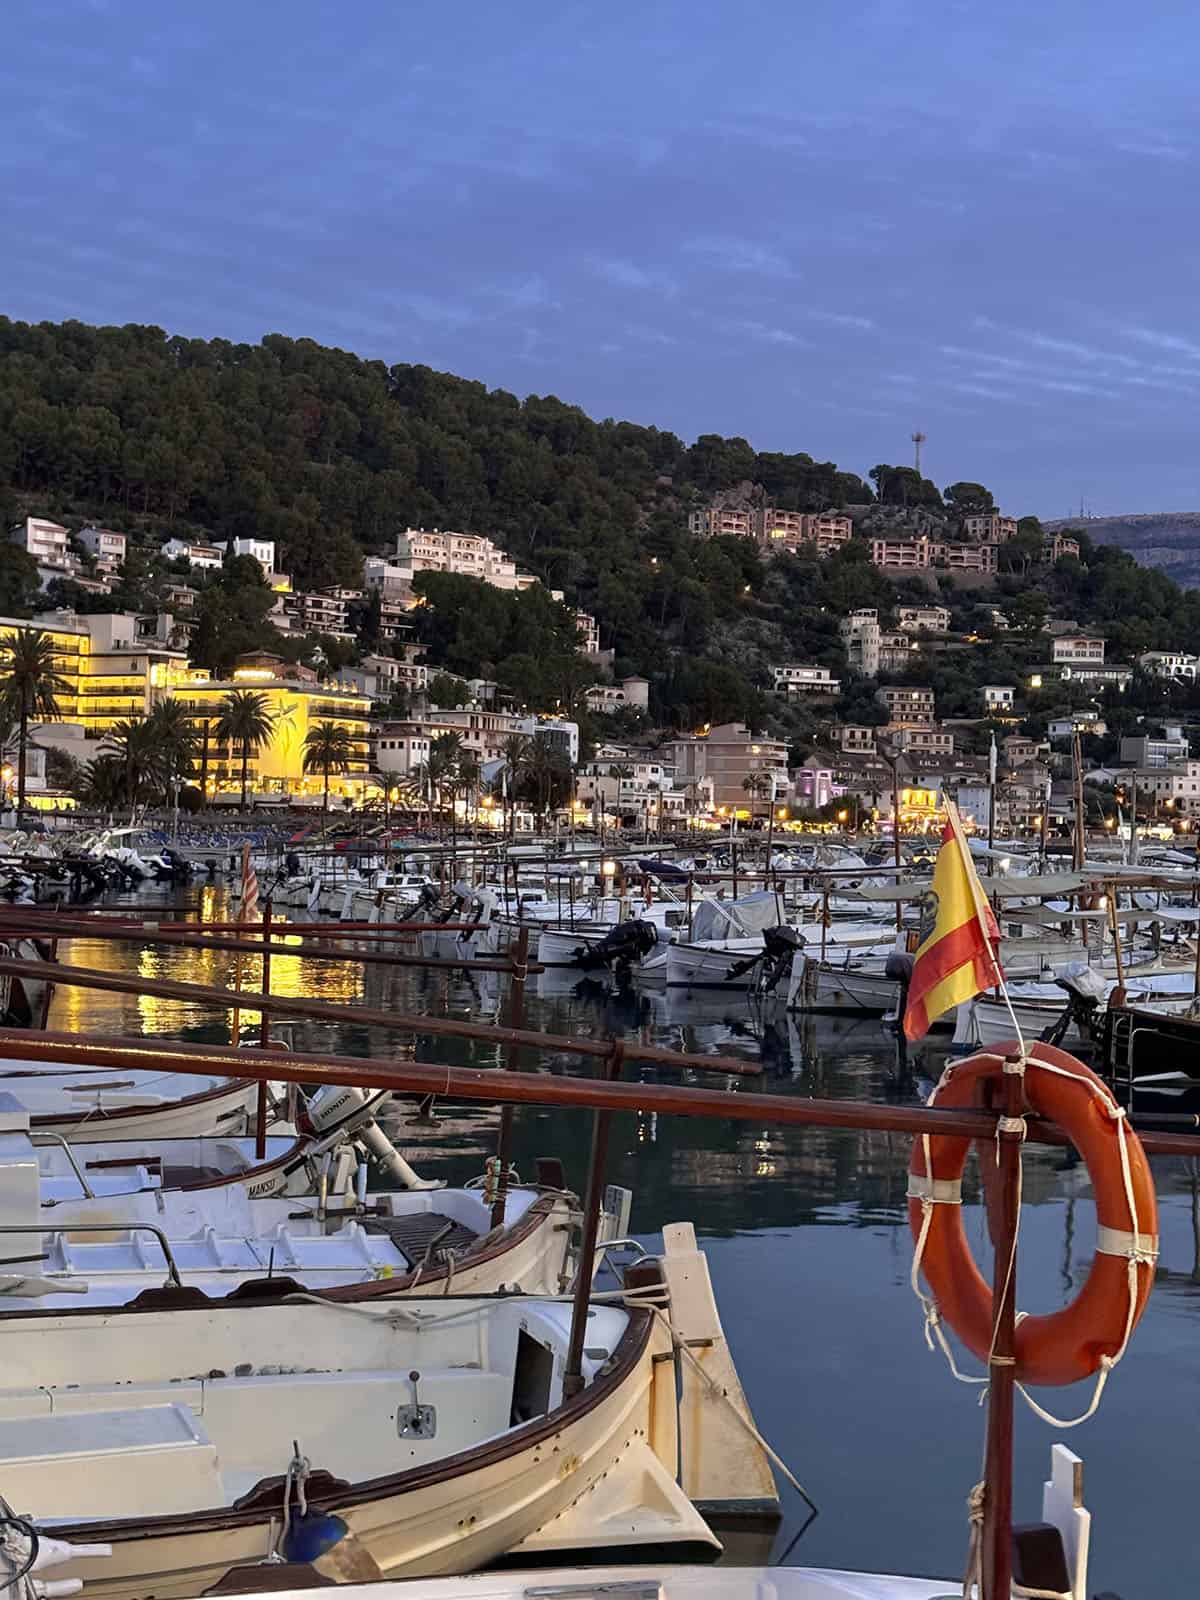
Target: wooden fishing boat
point(93, 1104)
point(107, 1221)
point(435, 1433)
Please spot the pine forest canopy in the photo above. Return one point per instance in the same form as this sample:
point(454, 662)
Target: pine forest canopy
point(332, 456)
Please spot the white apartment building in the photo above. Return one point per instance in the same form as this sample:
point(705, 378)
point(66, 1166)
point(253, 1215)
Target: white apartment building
point(589, 633)
point(990, 528)
point(1117, 676)
point(907, 706)
point(1176, 664)
point(1079, 649)
point(632, 693)
point(716, 522)
point(325, 612)
point(260, 550)
point(860, 633)
point(1153, 750)
point(998, 696)
point(469, 555)
point(797, 680)
point(106, 547)
point(564, 735)
point(380, 573)
point(857, 739)
point(923, 619)
point(1178, 786)
point(203, 557)
point(379, 677)
point(926, 741)
point(1078, 722)
point(45, 541)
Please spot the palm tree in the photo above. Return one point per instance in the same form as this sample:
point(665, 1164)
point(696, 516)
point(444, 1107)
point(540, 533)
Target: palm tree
point(131, 743)
point(30, 684)
point(174, 742)
point(515, 751)
point(548, 774)
point(245, 720)
point(328, 748)
point(100, 783)
point(466, 778)
point(756, 784)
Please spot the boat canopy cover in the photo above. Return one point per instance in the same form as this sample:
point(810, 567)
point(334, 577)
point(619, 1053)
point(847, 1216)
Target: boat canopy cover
point(736, 919)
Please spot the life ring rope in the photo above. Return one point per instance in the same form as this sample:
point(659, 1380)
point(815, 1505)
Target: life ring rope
point(1139, 1248)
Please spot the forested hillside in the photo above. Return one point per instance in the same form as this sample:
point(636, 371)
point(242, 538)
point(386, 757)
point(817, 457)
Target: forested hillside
point(331, 456)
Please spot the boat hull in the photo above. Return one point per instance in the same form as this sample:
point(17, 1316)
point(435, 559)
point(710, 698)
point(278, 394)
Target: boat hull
point(451, 1517)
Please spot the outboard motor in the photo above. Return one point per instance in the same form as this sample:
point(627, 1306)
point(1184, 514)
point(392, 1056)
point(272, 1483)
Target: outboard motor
point(781, 944)
point(774, 960)
point(899, 967)
point(1086, 992)
point(620, 949)
point(345, 1114)
point(291, 864)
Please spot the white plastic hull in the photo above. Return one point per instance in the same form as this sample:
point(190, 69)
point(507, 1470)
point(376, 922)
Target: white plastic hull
point(711, 966)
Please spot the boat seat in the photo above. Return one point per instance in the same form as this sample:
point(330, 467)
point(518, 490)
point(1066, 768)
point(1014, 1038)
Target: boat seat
point(64, 1463)
point(346, 1422)
point(414, 1234)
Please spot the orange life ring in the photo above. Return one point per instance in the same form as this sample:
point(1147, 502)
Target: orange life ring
point(1070, 1344)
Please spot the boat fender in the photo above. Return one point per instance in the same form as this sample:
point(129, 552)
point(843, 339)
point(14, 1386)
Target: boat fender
point(310, 1534)
point(1091, 1333)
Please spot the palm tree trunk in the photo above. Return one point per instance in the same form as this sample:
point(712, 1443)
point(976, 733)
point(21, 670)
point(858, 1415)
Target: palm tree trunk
point(325, 808)
point(21, 754)
point(245, 770)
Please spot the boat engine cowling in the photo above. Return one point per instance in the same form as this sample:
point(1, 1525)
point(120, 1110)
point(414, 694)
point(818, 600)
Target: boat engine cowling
point(344, 1112)
point(622, 946)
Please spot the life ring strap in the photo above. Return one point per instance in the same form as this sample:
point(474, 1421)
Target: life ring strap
point(942, 1191)
point(1141, 1247)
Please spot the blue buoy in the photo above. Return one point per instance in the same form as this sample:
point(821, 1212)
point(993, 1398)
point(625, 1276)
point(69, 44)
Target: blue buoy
point(312, 1534)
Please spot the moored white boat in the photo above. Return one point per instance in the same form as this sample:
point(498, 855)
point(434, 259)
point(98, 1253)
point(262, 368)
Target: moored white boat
point(436, 1432)
point(91, 1104)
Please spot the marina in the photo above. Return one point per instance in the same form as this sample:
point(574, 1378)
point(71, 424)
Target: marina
point(817, 1212)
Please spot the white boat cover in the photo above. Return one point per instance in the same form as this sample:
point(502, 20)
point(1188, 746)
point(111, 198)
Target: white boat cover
point(736, 919)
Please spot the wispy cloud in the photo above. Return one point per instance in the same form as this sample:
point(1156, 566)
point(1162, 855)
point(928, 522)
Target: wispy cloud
point(764, 332)
point(733, 254)
point(838, 319)
point(1173, 342)
point(626, 274)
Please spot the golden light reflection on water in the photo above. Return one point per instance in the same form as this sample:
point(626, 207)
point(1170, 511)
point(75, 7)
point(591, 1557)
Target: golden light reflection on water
point(81, 1011)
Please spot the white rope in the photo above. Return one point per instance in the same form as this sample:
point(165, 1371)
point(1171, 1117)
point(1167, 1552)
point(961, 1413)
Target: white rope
point(721, 1393)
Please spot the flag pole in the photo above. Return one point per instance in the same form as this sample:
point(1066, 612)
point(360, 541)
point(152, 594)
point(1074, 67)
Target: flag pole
point(982, 913)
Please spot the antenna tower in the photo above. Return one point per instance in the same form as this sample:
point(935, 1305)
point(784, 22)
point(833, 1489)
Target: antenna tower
point(918, 440)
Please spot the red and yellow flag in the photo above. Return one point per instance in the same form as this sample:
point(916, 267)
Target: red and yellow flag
point(957, 957)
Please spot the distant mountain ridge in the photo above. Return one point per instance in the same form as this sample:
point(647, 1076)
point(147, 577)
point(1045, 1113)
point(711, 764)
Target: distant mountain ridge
point(1167, 540)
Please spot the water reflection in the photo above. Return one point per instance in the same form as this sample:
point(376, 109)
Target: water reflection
point(807, 1238)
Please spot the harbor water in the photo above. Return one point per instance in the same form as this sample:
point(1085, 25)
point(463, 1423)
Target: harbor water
point(808, 1243)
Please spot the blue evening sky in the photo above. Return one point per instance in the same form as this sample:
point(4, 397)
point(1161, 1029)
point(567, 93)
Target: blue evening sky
point(816, 223)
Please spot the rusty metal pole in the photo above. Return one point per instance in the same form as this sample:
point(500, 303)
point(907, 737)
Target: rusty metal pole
point(601, 1124)
point(516, 1019)
point(998, 1471)
point(264, 1035)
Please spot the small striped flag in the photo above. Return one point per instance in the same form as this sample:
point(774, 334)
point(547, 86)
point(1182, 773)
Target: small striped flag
point(249, 911)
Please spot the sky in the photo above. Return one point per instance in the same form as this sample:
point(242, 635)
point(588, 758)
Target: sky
point(819, 224)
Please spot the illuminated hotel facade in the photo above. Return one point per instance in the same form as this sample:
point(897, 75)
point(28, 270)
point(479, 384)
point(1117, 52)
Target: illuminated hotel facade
point(112, 675)
point(296, 702)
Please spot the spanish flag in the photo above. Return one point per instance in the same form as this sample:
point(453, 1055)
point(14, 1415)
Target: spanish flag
point(956, 958)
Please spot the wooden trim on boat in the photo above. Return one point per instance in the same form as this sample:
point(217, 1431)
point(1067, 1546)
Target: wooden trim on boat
point(250, 1175)
point(264, 1501)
